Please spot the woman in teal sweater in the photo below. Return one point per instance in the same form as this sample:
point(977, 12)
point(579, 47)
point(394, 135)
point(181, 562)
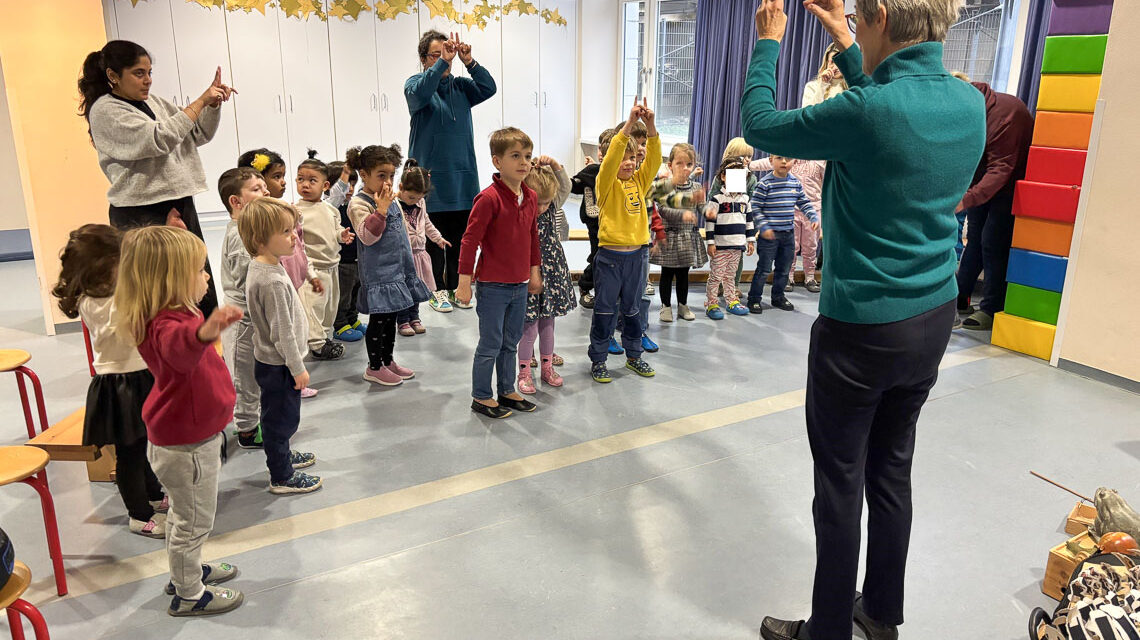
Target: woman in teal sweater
point(902, 146)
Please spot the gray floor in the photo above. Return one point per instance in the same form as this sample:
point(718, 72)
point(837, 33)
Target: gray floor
point(696, 537)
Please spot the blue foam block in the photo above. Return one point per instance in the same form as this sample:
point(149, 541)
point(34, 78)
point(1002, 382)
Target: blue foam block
point(1039, 270)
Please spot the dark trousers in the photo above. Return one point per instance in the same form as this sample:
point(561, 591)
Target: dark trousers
point(445, 262)
point(124, 218)
point(280, 416)
point(619, 289)
point(586, 281)
point(989, 235)
point(776, 256)
point(409, 314)
point(136, 481)
point(380, 339)
point(346, 314)
point(866, 386)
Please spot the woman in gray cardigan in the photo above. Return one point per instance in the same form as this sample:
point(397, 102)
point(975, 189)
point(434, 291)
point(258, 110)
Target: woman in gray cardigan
point(148, 147)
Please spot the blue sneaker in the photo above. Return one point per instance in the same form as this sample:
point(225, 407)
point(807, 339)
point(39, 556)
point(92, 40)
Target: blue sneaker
point(301, 460)
point(713, 311)
point(737, 309)
point(297, 483)
point(648, 345)
point(600, 373)
point(615, 348)
point(348, 334)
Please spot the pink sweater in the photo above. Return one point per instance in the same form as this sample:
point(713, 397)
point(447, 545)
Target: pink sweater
point(420, 229)
point(297, 265)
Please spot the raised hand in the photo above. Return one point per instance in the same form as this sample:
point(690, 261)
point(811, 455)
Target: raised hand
point(384, 199)
point(465, 53)
point(831, 17)
point(771, 21)
point(219, 320)
point(450, 48)
point(647, 115)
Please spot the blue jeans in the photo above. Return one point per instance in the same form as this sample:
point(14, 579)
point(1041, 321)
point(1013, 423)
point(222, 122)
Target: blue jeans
point(782, 251)
point(280, 415)
point(502, 312)
point(960, 246)
point(619, 284)
point(643, 309)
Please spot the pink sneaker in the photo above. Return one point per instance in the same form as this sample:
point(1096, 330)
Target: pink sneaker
point(403, 372)
point(308, 392)
point(549, 375)
point(526, 379)
point(407, 330)
point(161, 506)
point(383, 376)
point(418, 327)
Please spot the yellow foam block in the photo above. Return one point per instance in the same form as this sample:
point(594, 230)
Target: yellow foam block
point(1064, 92)
point(1023, 335)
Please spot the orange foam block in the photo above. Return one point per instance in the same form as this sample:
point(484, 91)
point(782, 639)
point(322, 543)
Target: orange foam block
point(1068, 92)
point(1062, 130)
point(1049, 201)
point(1043, 236)
point(1056, 166)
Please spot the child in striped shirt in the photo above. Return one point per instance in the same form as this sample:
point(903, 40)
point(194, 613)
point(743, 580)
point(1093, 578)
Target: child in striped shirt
point(728, 228)
point(774, 203)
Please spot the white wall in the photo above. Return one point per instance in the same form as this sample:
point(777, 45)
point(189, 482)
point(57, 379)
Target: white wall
point(601, 66)
point(12, 213)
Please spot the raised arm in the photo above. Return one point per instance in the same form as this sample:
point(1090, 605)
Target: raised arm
point(419, 88)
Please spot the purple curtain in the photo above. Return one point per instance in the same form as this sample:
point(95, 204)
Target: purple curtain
point(800, 55)
point(1030, 77)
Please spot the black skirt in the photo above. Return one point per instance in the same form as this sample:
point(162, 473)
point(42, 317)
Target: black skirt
point(114, 408)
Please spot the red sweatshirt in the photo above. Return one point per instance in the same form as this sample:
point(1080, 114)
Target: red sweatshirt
point(504, 232)
point(193, 396)
point(1009, 130)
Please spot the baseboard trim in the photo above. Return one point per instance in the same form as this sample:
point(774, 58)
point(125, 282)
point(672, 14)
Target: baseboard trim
point(15, 244)
point(1098, 375)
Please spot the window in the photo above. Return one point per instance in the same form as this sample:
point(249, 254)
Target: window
point(980, 43)
point(670, 45)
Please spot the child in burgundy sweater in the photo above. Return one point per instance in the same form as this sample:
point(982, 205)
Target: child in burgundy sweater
point(161, 278)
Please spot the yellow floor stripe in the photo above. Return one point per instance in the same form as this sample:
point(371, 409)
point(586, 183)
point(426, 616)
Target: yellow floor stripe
point(101, 576)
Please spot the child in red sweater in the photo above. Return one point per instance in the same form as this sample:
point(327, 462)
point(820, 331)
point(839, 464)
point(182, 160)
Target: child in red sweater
point(503, 229)
point(161, 278)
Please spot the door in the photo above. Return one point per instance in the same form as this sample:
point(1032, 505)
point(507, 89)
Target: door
point(397, 38)
point(149, 24)
point(354, 71)
point(520, 79)
point(559, 88)
point(308, 98)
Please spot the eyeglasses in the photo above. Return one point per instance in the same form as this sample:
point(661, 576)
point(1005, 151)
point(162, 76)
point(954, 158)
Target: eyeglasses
point(434, 56)
point(851, 20)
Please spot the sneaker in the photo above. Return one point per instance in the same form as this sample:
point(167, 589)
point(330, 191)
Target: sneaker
point(153, 528)
point(439, 302)
point(526, 380)
point(250, 439)
point(297, 483)
point(737, 309)
point(980, 321)
point(648, 345)
point(212, 574)
point(213, 601)
point(383, 376)
point(309, 392)
point(301, 460)
point(649, 290)
point(640, 367)
point(666, 314)
point(360, 326)
point(328, 351)
point(418, 327)
point(407, 330)
point(783, 304)
point(348, 334)
point(755, 307)
point(600, 373)
point(713, 311)
point(456, 303)
point(587, 301)
point(683, 311)
point(161, 506)
point(615, 348)
point(812, 285)
point(404, 372)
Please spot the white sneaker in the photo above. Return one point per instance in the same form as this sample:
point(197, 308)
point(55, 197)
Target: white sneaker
point(666, 314)
point(439, 302)
point(154, 528)
point(649, 290)
point(683, 311)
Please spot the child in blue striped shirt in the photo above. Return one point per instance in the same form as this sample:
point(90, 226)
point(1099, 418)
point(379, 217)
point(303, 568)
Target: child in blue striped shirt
point(774, 203)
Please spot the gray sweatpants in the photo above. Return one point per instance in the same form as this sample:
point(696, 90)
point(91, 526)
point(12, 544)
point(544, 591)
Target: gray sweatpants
point(237, 345)
point(189, 473)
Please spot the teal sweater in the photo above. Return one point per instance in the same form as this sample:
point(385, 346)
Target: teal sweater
point(902, 147)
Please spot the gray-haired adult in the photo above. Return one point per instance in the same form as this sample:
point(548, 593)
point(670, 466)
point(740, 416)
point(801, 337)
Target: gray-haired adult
point(902, 146)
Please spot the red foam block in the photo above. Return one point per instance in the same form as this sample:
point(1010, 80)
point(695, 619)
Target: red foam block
point(1046, 201)
point(1056, 166)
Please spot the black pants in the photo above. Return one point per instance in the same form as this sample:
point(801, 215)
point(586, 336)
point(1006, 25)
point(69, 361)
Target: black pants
point(989, 234)
point(445, 262)
point(866, 386)
point(380, 339)
point(586, 281)
point(666, 285)
point(136, 481)
point(123, 218)
point(280, 416)
point(349, 291)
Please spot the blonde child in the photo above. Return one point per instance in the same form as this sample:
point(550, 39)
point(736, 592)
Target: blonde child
point(677, 198)
point(389, 282)
point(162, 277)
point(121, 384)
point(728, 232)
point(551, 186)
point(415, 183)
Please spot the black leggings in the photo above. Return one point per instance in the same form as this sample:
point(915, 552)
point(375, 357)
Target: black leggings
point(380, 339)
point(136, 481)
point(445, 262)
point(666, 288)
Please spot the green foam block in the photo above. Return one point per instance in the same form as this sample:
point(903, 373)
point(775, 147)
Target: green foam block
point(1032, 303)
point(1074, 54)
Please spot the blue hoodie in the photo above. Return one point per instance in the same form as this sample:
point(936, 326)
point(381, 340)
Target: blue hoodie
point(442, 137)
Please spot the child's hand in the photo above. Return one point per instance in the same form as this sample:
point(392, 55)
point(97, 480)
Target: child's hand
point(710, 212)
point(589, 161)
point(317, 286)
point(535, 285)
point(384, 199)
point(301, 381)
point(463, 292)
point(634, 113)
point(219, 320)
point(647, 115)
point(699, 195)
point(347, 236)
point(751, 248)
point(688, 218)
point(815, 226)
point(345, 174)
point(698, 172)
point(768, 234)
point(712, 250)
point(548, 162)
point(443, 244)
point(655, 250)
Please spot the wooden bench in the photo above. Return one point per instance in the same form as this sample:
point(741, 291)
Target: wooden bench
point(63, 441)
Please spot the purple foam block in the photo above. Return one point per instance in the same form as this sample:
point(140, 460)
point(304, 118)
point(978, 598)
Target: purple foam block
point(1080, 17)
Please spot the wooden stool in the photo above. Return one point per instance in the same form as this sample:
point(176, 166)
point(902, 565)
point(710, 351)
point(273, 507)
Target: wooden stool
point(26, 464)
point(11, 602)
point(14, 360)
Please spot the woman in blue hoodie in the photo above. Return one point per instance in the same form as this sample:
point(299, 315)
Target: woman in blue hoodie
point(442, 140)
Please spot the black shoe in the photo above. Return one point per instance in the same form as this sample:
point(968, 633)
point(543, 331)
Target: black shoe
point(249, 439)
point(524, 405)
point(497, 413)
point(328, 351)
point(755, 307)
point(773, 629)
point(783, 304)
point(873, 630)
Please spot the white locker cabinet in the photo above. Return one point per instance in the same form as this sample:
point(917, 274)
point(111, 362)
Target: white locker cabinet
point(149, 24)
point(558, 91)
point(355, 70)
point(520, 80)
point(308, 97)
point(396, 42)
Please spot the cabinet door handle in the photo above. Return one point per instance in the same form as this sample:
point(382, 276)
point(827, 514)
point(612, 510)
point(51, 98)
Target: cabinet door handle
point(536, 98)
point(384, 96)
point(544, 98)
point(186, 101)
point(290, 104)
point(278, 103)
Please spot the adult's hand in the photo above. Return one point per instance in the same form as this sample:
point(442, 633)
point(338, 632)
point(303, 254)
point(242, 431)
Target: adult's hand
point(174, 219)
point(831, 17)
point(771, 21)
point(465, 53)
point(450, 48)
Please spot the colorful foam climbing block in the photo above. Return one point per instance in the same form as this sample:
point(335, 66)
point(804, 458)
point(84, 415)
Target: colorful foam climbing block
point(1062, 130)
point(1056, 166)
point(1043, 200)
point(1042, 236)
point(1023, 335)
point(1068, 92)
point(1034, 269)
point(1078, 17)
point(1074, 54)
point(1032, 303)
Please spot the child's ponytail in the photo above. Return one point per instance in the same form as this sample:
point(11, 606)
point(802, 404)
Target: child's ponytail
point(415, 178)
point(313, 163)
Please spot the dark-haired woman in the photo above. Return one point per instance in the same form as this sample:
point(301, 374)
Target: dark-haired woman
point(443, 142)
point(148, 146)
